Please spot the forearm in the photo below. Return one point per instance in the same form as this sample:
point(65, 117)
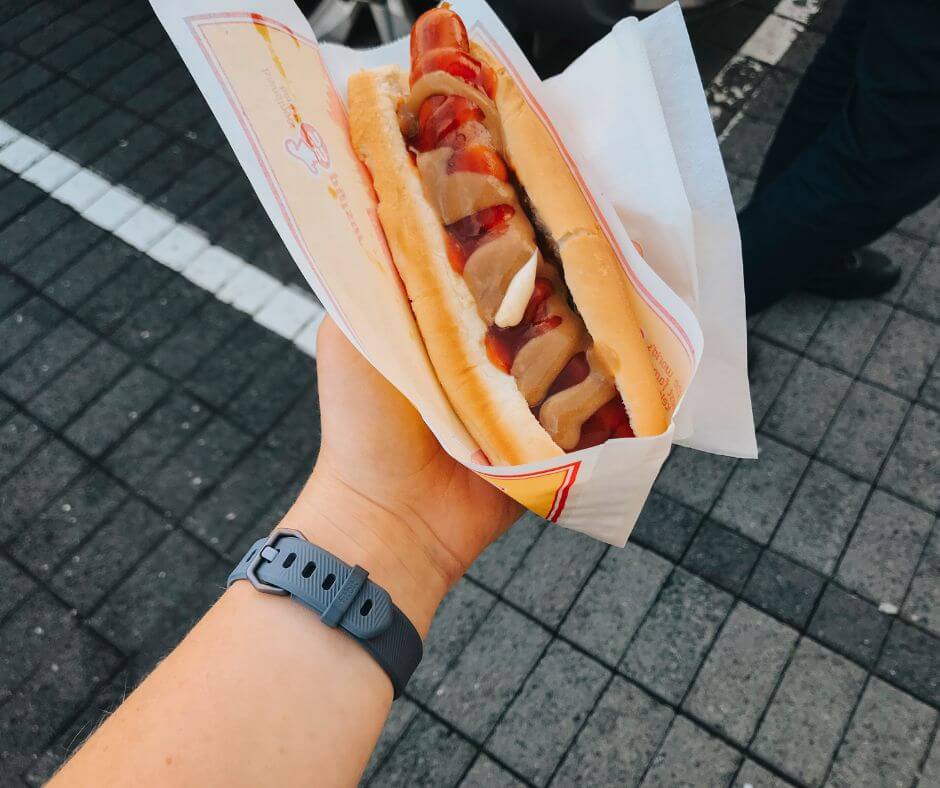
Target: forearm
point(261, 692)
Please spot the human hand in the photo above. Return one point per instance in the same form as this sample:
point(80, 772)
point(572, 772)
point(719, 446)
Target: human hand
point(384, 493)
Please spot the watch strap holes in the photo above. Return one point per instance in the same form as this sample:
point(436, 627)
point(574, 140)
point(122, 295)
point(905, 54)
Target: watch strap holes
point(289, 560)
point(328, 581)
point(366, 608)
point(309, 569)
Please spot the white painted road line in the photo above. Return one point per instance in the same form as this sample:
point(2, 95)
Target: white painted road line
point(283, 309)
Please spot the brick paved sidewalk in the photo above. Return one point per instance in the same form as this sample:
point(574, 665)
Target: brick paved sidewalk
point(769, 623)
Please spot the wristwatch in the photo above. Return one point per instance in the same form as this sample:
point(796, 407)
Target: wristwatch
point(286, 564)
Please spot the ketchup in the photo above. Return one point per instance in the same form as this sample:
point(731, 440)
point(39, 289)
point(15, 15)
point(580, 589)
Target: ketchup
point(439, 42)
point(477, 228)
point(504, 344)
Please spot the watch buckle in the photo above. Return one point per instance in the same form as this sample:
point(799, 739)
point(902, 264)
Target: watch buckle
point(269, 544)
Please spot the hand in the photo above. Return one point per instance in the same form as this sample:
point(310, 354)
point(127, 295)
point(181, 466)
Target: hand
point(384, 493)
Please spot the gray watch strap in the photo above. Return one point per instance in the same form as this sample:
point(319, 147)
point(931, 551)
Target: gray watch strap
point(285, 563)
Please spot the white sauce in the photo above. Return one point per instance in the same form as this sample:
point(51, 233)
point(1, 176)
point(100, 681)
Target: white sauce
point(512, 309)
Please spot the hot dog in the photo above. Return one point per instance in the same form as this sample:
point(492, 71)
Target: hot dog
point(519, 298)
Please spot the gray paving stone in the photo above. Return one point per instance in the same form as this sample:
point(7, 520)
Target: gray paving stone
point(77, 386)
point(29, 637)
point(231, 366)
point(59, 529)
point(850, 625)
point(298, 434)
point(721, 556)
point(562, 689)
point(801, 51)
point(32, 226)
point(821, 516)
point(12, 292)
point(119, 409)
point(154, 320)
point(458, 617)
point(265, 399)
point(743, 149)
point(923, 598)
point(21, 327)
point(242, 495)
point(742, 188)
point(907, 252)
point(809, 711)
point(886, 739)
point(904, 354)
point(771, 371)
point(913, 469)
point(19, 437)
point(848, 333)
point(931, 771)
point(34, 484)
point(107, 698)
point(159, 434)
point(885, 548)
point(56, 690)
point(558, 555)
point(923, 294)
point(57, 250)
point(428, 754)
point(489, 671)
point(689, 757)
point(90, 272)
point(911, 658)
point(930, 393)
point(758, 492)
point(770, 98)
point(740, 672)
point(665, 526)
point(486, 773)
point(15, 584)
point(499, 561)
point(754, 776)
point(159, 588)
point(402, 713)
point(44, 360)
point(806, 405)
point(694, 478)
point(864, 430)
point(615, 600)
point(196, 338)
point(90, 573)
point(122, 295)
point(783, 588)
point(678, 631)
point(620, 737)
point(794, 320)
point(924, 223)
point(205, 460)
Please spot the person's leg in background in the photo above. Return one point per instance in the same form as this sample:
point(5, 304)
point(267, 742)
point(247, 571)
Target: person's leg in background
point(829, 191)
point(820, 95)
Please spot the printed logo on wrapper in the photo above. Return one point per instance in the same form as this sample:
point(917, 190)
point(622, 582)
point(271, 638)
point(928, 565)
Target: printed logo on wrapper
point(272, 88)
point(308, 147)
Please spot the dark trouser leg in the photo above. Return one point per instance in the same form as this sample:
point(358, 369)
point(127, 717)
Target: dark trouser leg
point(821, 94)
point(876, 160)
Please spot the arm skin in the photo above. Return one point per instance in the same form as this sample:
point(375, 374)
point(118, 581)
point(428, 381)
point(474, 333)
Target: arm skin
point(260, 692)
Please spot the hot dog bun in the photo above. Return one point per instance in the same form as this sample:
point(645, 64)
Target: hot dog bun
point(593, 274)
point(487, 400)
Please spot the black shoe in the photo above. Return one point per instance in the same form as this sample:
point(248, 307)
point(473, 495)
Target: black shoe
point(861, 274)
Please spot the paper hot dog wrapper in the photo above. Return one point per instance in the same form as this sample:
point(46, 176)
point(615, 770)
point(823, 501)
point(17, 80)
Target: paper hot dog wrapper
point(632, 122)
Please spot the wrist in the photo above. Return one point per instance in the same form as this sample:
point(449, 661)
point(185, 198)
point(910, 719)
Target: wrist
point(380, 540)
